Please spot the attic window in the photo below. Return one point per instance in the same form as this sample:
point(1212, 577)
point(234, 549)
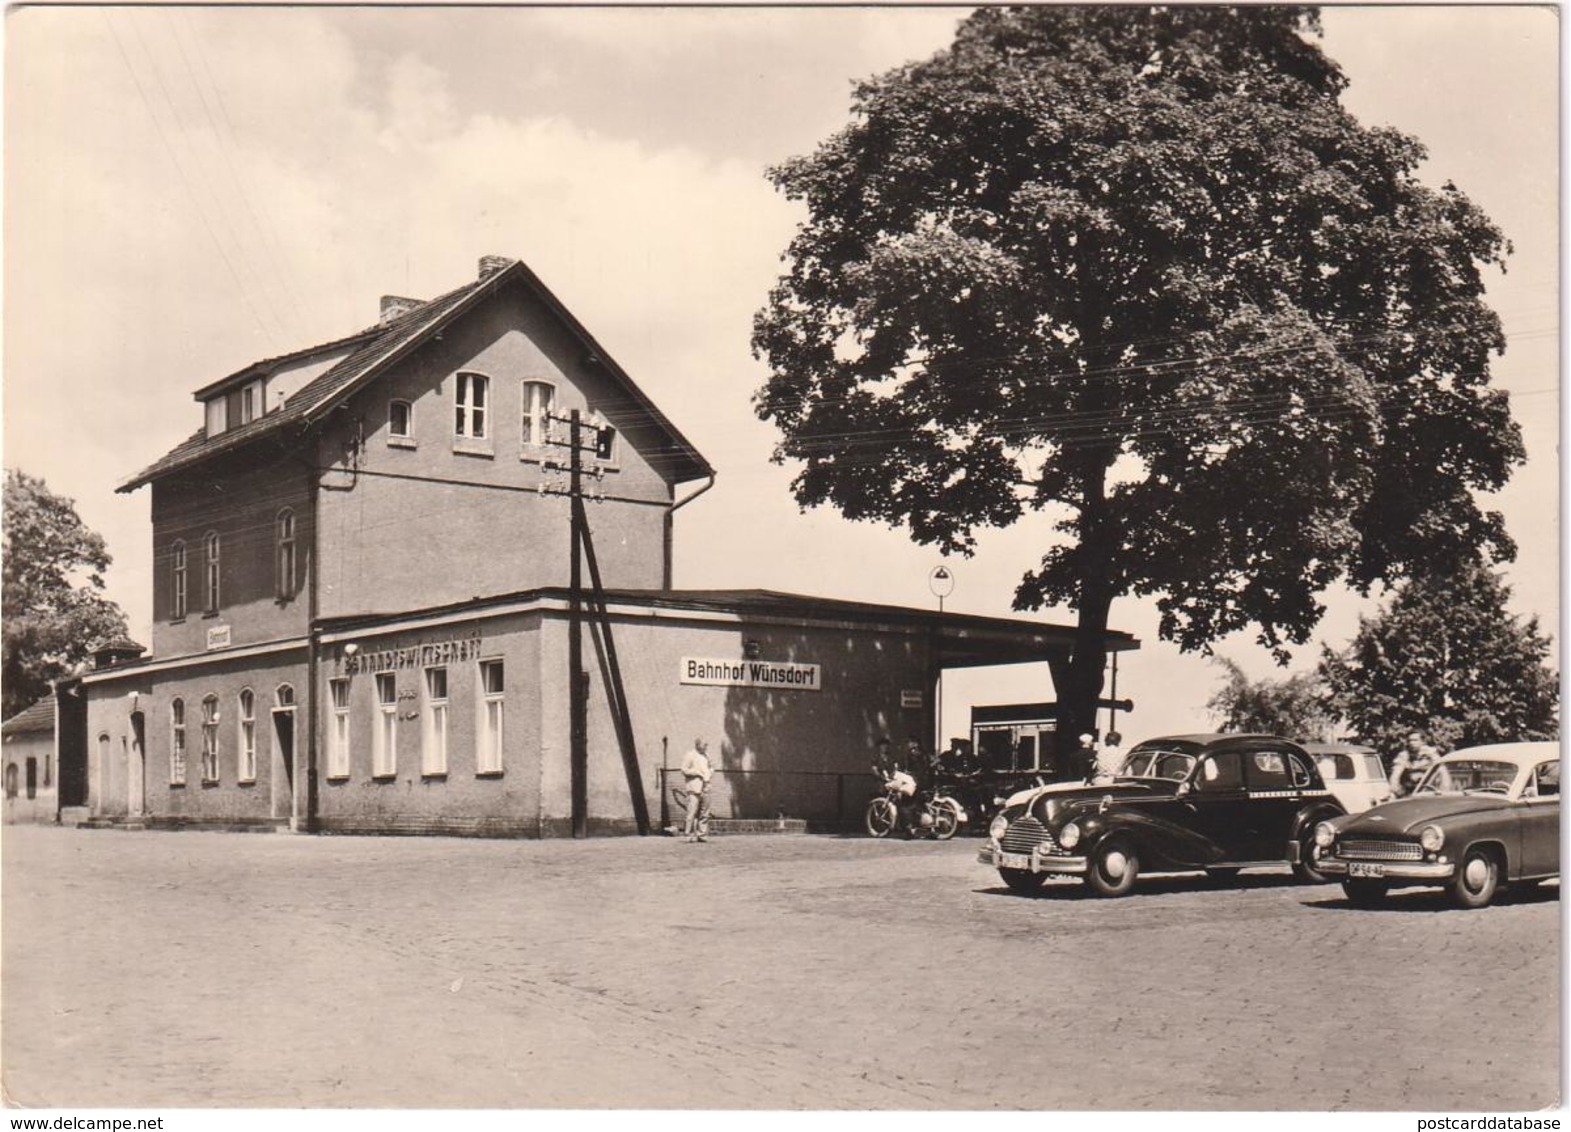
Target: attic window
point(400, 419)
point(469, 417)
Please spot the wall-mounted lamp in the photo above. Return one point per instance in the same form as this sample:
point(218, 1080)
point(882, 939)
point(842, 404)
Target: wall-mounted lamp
point(752, 648)
point(351, 649)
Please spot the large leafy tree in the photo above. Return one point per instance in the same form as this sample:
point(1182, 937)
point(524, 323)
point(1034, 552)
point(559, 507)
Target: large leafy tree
point(1445, 656)
point(1139, 272)
point(53, 604)
point(1295, 706)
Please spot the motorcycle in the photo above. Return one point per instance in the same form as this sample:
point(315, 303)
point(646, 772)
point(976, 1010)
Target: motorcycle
point(935, 814)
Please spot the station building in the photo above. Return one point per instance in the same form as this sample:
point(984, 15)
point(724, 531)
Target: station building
point(366, 600)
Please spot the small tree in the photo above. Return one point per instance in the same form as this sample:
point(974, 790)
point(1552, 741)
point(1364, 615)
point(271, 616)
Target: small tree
point(1445, 657)
point(53, 606)
point(1294, 707)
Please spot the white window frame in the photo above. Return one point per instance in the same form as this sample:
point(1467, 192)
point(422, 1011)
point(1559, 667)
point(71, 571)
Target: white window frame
point(248, 404)
point(210, 738)
point(490, 717)
point(338, 728)
point(285, 560)
point(178, 592)
point(246, 772)
point(384, 741)
point(212, 549)
point(177, 750)
point(409, 419)
point(433, 731)
point(539, 401)
point(469, 421)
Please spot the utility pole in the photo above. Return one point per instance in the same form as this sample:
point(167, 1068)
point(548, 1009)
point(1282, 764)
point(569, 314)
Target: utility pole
point(578, 706)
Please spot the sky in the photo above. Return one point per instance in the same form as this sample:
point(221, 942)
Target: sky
point(190, 189)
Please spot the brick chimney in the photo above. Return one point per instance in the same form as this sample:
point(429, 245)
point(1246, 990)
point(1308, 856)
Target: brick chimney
point(396, 306)
point(491, 264)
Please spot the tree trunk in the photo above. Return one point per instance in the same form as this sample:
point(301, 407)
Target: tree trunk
point(1082, 676)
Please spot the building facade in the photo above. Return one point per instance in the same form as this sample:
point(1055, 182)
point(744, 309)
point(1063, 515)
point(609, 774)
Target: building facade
point(366, 604)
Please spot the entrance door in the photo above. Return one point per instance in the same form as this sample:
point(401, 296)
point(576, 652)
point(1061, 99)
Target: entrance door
point(136, 768)
point(283, 762)
point(32, 778)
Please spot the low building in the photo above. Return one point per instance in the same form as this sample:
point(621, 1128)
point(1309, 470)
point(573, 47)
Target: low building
point(30, 771)
point(368, 604)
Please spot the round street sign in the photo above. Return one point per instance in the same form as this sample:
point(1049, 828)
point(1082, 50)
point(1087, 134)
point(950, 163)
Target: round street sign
point(941, 581)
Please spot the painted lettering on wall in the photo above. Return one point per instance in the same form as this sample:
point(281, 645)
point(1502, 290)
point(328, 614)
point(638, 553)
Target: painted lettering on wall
point(218, 637)
point(750, 674)
point(425, 655)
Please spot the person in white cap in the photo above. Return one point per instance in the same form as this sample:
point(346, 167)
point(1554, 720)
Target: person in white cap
point(1087, 756)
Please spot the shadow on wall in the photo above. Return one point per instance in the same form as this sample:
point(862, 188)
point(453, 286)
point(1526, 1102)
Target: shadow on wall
point(809, 754)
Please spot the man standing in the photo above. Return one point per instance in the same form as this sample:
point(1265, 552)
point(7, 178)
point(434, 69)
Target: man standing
point(1410, 763)
point(1086, 756)
point(1110, 759)
point(696, 769)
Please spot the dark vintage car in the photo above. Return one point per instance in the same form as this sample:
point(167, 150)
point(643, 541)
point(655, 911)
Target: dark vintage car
point(1481, 818)
point(1214, 802)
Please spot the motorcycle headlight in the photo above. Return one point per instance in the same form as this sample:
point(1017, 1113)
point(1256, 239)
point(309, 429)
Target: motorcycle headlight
point(997, 826)
point(1325, 836)
point(1432, 837)
point(1069, 836)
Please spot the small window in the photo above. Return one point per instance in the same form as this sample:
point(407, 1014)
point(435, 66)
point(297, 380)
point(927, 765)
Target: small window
point(539, 398)
point(433, 739)
point(1546, 779)
point(1222, 771)
point(338, 732)
point(384, 749)
point(247, 769)
point(177, 595)
point(606, 439)
point(470, 411)
point(177, 742)
point(401, 420)
point(284, 696)
point(489, 757)
point(210, 739)
point(284, 539)
point(211, 544)
point(248, 404)
point(1268, 771)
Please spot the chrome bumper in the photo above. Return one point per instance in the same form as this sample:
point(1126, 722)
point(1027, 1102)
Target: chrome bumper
point(1035, 862)
point(1390, 870)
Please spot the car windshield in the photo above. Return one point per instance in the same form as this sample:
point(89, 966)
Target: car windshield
point(1154, 762)
point(1466, 776)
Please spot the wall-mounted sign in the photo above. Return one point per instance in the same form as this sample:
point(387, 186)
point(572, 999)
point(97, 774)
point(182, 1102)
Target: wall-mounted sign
point(411, 656)
point(218, 637)
point(910, 697)
point(750, 674)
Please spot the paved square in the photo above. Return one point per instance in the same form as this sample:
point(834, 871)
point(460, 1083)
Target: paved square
point(188, 969)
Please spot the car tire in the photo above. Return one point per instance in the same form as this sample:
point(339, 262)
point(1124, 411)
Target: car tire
point(1023, 881)
point(880, 818)
point(1113, 867)
point(1365, 893)
point(1477, 879)
point(1306, 869)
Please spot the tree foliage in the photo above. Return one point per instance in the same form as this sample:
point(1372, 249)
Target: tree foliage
point(53, 605)
point(1293, 706)
point(1139, 272)
point(1447, 658)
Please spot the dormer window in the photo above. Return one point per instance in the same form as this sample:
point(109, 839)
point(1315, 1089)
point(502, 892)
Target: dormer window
point(248, 397)
point(470, 410)
point(539, 397)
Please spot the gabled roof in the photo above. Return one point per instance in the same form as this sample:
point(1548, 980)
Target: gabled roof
point(35, 719)
point(373, 350)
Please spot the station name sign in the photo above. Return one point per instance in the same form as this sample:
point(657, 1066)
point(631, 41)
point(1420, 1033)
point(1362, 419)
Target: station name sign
point(425, 655)
point(751, 674)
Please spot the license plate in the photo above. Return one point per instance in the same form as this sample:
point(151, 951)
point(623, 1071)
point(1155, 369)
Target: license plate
point(1013, 861)
point(1365, 869)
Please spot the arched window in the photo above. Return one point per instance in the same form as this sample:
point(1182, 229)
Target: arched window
point(211, 543)
point(469, 417)
point(210, 739)
point(539, 398)
point(400, 419)
point(285, 539)
point(177, 592)
point(284, 696)
point(177, 742)
point(247, 755)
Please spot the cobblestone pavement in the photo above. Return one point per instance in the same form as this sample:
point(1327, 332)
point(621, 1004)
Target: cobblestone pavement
point(186, 969)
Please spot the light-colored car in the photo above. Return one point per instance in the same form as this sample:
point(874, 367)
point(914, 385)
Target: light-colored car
point(1354, 775)
point(1482, 818)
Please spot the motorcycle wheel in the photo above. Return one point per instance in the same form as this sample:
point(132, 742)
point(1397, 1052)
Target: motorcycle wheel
point(880, 817)
point(946, 819)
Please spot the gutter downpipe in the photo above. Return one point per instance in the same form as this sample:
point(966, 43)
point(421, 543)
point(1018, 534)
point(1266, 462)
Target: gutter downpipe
point(313, 648)
point(672, 510)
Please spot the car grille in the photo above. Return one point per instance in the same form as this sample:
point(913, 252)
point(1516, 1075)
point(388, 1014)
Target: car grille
point(1381, 850)
point(1026, 834)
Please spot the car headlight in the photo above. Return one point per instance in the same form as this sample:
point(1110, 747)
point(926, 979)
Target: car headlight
point(1069, 836)
point(997, 826)
point(1325, 836)
point(1432, 837)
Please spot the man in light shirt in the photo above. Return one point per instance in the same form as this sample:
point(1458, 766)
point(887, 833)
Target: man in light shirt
point(697, 770)
point(1110, 759)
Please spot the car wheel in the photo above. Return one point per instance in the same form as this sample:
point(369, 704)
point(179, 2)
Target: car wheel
point(1023, 881)
point(1113, 867)
point(1307, 869)
point(946, 820)
point(1477, 878)
point(880, 819)
point(1365, 893)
